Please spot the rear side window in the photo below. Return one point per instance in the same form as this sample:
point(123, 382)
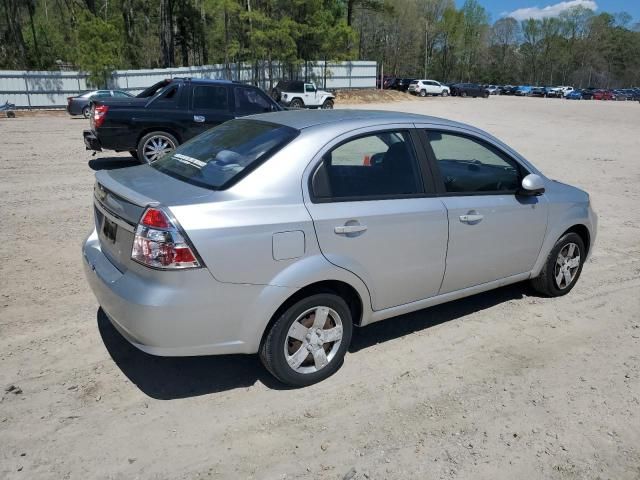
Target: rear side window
point(470, 166)
point(223, 155)
point(373, 166)
point(210, 97)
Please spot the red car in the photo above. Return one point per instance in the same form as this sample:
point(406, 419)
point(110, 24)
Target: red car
point(604, 95)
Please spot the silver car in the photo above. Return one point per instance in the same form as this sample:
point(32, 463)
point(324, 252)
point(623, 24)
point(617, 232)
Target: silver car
point(280, 232)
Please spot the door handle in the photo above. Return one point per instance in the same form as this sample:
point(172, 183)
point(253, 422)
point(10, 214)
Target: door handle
point(471, 218)
point(198, 118)
point(346, 229)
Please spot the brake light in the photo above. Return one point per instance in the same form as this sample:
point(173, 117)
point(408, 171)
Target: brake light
point(99, 114)
point(159, 243)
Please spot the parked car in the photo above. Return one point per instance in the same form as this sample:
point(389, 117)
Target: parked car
point(553, 92)
point(469, 90)
point(278, 233)
point(387, 81)
point(170, 113)
point(493, 89)
point(508, 90)
point(428, 87)
point(538, 92)
point(587, 93)
point(604, 95)
point(299, 94)
point(523, 91)
point(574, 95)
point(402, 84)
point(81, 104)
point(566, 89)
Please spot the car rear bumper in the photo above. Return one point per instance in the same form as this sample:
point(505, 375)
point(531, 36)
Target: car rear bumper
point(91, 142)
point(180, 313)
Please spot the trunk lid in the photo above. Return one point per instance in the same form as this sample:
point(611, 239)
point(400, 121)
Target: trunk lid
point(120, 198)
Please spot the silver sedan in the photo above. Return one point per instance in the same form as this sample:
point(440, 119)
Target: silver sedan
point(278, 233)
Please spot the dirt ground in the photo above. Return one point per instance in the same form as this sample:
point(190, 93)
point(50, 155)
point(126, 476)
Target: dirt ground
point(503, 385)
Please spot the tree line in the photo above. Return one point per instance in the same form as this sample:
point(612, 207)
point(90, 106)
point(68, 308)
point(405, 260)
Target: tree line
point(408, 38)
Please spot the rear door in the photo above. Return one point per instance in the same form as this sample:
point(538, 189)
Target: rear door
point(210, 106)
point(374, 212)
point(493, 232)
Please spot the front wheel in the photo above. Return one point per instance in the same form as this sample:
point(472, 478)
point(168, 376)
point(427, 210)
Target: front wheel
point(307, 343)
point(463, 94)
point(444, 93)
point(562, 267)
point(327, 104)
point(154, 145)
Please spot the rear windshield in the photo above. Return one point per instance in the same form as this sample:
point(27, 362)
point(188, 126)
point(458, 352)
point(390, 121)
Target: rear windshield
point(223, 155)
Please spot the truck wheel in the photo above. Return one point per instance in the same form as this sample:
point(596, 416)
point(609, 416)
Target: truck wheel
point(296, 103)
point(307, 343)
point(423, 93)
point(154, 145)
point(86, 112)
point(327, 104)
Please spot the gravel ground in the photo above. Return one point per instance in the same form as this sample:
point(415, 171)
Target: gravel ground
point(501, 385)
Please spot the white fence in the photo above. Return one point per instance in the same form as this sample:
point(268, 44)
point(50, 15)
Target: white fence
point(50, 89)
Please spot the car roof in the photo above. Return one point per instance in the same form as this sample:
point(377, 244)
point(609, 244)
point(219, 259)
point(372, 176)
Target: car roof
point(205, 81)
point(349, 119)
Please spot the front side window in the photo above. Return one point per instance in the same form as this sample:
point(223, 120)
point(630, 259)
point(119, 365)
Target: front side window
point(221, 156)
point(470, 166)
point(251, 100)
point(376, 165)
point(309, 88)
point(210, 97)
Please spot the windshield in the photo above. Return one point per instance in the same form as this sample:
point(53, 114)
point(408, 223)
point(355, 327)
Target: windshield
point(223, 155)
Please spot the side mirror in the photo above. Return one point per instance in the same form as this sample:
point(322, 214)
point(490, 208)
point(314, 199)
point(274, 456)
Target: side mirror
point(532, 185)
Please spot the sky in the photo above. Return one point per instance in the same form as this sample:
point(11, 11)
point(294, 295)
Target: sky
point(523, 9)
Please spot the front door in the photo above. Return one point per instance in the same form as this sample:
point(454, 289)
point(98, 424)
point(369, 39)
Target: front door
point(493, 233)
point(373, 216)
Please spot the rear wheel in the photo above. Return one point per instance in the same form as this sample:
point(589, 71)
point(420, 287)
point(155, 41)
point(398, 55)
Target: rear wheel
point(296, 103)
point(486, 95)
point(154, 145)
point(307, 343)
point(86, 111)
point(423, 93)
point(562, 267)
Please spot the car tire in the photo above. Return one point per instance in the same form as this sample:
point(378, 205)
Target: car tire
point(279, 348)
point(444, 93)
point(547, 282)
point(134, 153)
point(327, 104)
point(296, 103)
point(485, 95)
point(423, 93)
point(155, 144)
point(463, 94)
point(86, 111)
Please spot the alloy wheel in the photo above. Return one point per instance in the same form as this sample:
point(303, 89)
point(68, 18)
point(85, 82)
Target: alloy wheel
point(567, 265)
point(313, 340)
point(157, 146)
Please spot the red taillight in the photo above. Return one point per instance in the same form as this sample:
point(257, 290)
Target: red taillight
point(155, 218)
point(159, 243)
point(99, 114)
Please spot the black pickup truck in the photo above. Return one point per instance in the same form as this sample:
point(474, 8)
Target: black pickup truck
point(169, 113)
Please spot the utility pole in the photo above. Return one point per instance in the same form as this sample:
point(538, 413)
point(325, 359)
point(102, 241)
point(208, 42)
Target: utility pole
point(426, 46)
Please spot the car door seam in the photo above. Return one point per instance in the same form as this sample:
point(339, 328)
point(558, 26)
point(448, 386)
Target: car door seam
point(446, 251)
